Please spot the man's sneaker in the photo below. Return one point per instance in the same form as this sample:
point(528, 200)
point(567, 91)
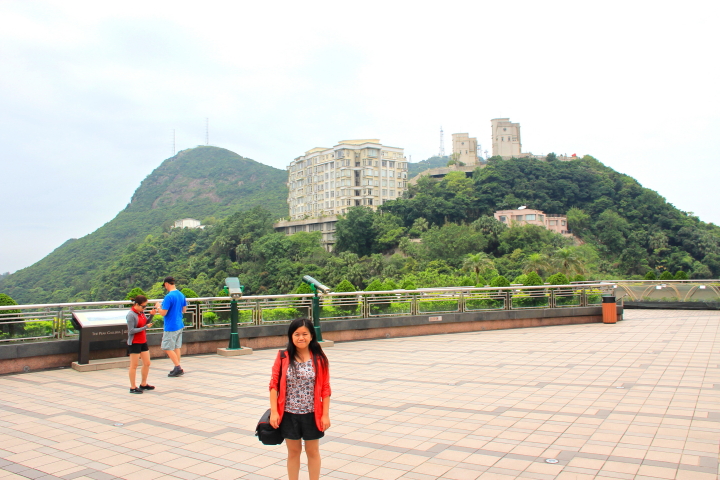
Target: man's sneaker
point(176, 372)
point(135, 390)
point(147, 387)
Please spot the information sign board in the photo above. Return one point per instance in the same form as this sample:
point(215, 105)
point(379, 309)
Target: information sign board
point(99, 325)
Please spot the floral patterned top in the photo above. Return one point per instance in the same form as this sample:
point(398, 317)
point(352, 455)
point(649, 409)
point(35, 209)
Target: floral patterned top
point(301, 388)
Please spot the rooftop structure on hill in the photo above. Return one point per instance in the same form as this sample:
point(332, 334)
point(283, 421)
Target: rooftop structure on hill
point(188, 223)
point(506, 142)
point(465, 149)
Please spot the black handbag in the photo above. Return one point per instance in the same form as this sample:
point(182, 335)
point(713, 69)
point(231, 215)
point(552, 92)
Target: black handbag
point(264, 431)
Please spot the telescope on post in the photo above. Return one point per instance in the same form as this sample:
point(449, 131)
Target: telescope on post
point(315, 285)
point(235, 291)
point(233, 287)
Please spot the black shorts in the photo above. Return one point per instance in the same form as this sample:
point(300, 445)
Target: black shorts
point(296, 426)
point(137, 348)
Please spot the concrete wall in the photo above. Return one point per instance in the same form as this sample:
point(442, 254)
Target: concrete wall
point(38, 355)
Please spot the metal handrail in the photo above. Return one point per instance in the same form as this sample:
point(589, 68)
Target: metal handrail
point(52, 321)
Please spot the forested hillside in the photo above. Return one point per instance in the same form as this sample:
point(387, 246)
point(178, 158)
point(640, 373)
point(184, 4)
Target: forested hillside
point(206, 183)
point(441, 233)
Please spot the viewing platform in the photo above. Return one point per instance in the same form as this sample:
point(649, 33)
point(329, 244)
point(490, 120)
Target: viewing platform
point(639, 399)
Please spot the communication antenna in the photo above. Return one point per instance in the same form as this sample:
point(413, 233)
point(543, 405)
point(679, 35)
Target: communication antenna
point(442, 143)
point(207, 131)
point(173, 142)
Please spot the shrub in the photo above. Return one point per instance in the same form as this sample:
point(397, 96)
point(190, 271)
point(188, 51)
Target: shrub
point(481, 282)
point(189, 293)
point(375, 286)
point(348, 307)
point(578, 278)
point(558, 279)
point(281, 314)
point(680, 275)
point(465, 281)
point(650, 275)
point(303, 288)
point(210, 318)
point(533, 279)
point(499, 281)
point(389, 284)
point(666, 275)
point(520, 279)
point(408, 284)
point(134, 293)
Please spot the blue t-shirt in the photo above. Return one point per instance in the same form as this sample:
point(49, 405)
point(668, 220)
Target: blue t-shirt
point(174, 302)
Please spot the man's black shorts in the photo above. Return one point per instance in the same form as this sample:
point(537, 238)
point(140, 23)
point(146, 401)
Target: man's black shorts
point(296, 426)
point(137, 348)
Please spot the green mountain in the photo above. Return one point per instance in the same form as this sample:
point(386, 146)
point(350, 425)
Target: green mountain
point(205, 183)
point(626, 231)
point(422, 165)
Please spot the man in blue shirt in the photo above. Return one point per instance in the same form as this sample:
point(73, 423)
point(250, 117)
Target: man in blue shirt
point(172, 308)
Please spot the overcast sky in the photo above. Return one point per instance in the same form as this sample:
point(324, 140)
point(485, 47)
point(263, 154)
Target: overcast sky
point(90, 92)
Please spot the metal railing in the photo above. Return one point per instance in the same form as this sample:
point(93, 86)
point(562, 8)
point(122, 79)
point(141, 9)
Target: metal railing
point(46, 322)
point(666, 290)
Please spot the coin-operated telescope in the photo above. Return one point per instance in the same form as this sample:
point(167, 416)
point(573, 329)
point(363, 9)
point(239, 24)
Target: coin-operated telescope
point(316, 286)
point(233, 287)
point(235, 290)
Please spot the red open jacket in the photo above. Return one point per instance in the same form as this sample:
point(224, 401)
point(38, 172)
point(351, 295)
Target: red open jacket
point(322, 385)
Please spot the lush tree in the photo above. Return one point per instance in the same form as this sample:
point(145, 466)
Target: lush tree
point(666, 275)
point(536, 262)
point(134, 293)
point(451, 242)
point(569, 260)
point(680, 275)
point(578, 221)
point(355, 232)
point(650, 275)
point(6, 301)
point(529, 238)
point(303, 288)
point(480, 264)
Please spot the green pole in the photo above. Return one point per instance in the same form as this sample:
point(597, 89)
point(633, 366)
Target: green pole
point(234, 340)
point(316, 314)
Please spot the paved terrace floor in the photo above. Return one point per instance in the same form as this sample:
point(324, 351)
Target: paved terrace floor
point(636, 400)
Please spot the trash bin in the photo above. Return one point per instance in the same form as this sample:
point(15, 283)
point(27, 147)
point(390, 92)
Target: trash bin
point(609, 310)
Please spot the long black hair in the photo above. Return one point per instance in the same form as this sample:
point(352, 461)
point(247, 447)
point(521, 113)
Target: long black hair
point(314, 346)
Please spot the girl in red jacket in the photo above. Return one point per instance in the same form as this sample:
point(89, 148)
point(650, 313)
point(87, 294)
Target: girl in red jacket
point(300, 404)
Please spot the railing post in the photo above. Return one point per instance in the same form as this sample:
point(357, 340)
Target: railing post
point(508, 299)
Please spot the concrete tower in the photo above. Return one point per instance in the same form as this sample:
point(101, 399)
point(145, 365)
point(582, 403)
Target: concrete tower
point(466, 147)
point(505, 138)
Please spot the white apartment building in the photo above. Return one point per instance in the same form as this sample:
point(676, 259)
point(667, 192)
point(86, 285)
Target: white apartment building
point(328, 181)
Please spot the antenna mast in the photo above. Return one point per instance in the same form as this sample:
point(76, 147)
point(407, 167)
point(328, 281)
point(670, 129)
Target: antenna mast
point(173, 142)
point(442, 143)
point(207, 131)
